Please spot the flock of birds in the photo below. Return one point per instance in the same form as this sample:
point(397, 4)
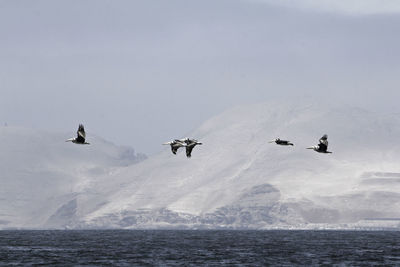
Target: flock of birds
point(189, 144)
point(322, 147)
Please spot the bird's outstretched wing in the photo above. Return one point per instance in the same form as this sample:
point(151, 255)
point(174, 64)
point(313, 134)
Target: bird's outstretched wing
point(324, 140)
point(81, 135)
point(189, 150)
point(174, 149)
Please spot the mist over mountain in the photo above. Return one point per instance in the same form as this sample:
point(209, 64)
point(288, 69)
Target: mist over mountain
point(236, 179)
point(39, 171)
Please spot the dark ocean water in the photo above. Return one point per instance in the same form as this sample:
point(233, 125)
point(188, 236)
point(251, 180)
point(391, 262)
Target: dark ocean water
point(199, 248)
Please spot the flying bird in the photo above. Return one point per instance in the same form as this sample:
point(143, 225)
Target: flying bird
point(322, 147)
point(81, 135)
point(281, 142)
point(175, 145)
point(190, 144)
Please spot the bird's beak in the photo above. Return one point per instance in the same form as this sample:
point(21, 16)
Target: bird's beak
point(69, 140)
point(167, 143)
point(271, 141)
point(310, 148)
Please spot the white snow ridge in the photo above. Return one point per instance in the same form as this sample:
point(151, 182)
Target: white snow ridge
point(236, 179)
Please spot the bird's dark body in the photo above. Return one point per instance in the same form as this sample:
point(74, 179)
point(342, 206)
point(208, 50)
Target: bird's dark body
point(80, 140)
point(283, 142)
point(322, 148)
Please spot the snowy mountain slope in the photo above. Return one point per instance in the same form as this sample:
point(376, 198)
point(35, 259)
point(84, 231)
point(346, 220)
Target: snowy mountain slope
point(39, 172)
point(237, 179)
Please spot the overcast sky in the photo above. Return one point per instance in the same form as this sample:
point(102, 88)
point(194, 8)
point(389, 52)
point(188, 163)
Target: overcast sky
point(140, 73)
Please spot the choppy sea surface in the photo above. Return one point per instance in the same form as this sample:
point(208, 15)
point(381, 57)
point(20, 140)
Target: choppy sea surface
point(199, 248)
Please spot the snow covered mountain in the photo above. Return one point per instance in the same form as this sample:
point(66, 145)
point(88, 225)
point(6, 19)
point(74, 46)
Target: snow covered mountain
point(40, 172)
point(234, 180)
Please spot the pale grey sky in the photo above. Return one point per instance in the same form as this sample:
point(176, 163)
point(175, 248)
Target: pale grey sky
point(140, 73)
